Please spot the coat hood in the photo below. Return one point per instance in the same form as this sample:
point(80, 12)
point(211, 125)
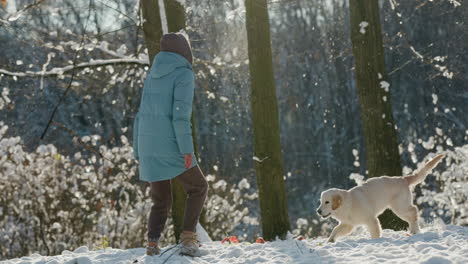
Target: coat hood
point(166, 62)
point(177, 43)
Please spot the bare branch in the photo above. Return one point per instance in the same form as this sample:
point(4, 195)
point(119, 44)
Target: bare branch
point(63, 70)
point(75, 135)
point(118, 11)
point(87, 146)
point(443, 70)
point(19, 13)
point(72, 76)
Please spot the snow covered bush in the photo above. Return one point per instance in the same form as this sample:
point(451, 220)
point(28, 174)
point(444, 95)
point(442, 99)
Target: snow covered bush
point(4, 99)
point(227, 208)
point(442, 195)
point(303, 227)
point(50, 202)
point(447, 196)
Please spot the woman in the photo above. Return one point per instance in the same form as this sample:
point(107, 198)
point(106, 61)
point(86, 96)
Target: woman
point(162, 141)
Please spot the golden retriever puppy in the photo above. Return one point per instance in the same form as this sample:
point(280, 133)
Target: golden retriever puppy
point(362, 204)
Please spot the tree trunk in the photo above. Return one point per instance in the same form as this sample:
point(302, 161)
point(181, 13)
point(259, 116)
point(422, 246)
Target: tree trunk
point(380, 137)
point(267, 146)
point(175, 14)
point(152, 29)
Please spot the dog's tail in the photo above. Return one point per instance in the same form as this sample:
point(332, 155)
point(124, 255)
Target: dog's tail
point(419, 176)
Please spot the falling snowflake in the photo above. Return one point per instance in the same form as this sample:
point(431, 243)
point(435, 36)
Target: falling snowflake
point(363, 26)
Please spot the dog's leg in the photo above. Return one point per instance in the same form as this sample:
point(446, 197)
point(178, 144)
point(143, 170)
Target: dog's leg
point(374, 228)
point(404, 208)
point(340, 230)
point(410, 215)
point(413, 220)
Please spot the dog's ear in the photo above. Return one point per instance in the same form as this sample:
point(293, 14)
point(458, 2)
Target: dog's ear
point(336, 201)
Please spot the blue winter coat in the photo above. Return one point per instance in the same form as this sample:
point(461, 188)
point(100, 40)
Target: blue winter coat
point(162, 132)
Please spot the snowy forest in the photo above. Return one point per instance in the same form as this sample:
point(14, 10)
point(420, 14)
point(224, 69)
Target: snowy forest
point(287, 104)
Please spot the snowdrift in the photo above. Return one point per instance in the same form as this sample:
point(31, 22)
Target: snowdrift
point(435, 245)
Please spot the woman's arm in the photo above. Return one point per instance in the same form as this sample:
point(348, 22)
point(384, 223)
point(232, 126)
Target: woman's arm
point(182, 111)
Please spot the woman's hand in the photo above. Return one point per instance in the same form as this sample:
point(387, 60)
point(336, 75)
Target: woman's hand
point(188, 160)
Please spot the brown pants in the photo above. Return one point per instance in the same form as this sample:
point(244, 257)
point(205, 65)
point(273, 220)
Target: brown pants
point(195, 186)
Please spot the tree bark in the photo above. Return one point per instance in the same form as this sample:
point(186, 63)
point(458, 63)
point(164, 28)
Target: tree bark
point(152, 27)
point(175, 14)
point(380, 136)
point(267, 145)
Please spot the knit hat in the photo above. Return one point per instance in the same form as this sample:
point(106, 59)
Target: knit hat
point(177, 43)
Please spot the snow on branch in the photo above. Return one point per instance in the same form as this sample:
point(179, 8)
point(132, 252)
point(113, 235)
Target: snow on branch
point(63, 70)
point(15, 16)
point(162, 14)
point(433, 62)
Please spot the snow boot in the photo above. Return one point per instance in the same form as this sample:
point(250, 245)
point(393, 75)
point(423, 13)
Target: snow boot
point(152, 249)
point(189, 244)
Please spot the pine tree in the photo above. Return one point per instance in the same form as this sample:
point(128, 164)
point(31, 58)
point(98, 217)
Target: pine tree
point(267, 145)
point(380, 137)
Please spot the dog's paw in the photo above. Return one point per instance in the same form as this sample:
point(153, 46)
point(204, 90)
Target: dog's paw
point(331, 240)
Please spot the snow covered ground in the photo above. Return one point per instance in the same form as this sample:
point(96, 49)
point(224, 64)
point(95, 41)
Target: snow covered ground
point(435, 245)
